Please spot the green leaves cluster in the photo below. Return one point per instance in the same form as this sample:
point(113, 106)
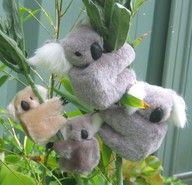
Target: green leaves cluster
point(112, 19)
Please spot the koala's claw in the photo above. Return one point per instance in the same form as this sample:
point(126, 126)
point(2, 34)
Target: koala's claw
point(63, 100)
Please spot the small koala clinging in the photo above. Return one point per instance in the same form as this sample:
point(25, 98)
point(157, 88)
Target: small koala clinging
point(40, 121)
point(79, 152)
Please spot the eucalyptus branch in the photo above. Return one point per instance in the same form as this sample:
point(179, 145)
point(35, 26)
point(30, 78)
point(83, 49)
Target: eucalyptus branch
point(4, 61)
point(119, 174)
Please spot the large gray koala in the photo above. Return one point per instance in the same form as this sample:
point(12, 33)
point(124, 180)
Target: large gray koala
point(140, 134)
point(99, 79)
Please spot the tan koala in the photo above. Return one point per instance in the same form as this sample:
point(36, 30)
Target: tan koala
point(40, 121)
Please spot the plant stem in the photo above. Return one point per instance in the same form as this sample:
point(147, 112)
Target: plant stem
point(78, 179)
point(119, 174)
point(47, 152)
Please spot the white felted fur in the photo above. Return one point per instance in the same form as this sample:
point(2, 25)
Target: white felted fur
point(51, 56)
point(137, 91)
point(178, 115)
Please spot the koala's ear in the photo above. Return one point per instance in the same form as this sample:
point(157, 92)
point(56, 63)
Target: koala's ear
point(51, 56)
point(11, 110)
point(178, 114)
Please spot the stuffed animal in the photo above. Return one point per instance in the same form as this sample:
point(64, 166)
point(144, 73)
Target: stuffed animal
point(140, 134)
point(40, 121)
point(79, 152)
point(99, 79)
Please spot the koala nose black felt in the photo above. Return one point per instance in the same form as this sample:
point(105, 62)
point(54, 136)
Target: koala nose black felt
point(156, 115)
point(84, 134)
point(25, 106)
point(96, 51)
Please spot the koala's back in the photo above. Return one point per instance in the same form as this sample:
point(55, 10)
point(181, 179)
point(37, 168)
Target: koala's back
point(100, 90)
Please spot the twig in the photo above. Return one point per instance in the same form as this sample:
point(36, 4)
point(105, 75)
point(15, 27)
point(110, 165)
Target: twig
point(119, 174)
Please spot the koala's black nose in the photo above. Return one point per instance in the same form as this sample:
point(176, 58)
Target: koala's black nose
point(84, 134)
point(96, 51)
point(25, 106)
point(156, 115)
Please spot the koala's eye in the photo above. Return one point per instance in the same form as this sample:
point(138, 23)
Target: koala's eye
point(156, 115)
point(25, 106)
point(84, 134)
point(96, 51)
point(31, 98)
point(78, 54)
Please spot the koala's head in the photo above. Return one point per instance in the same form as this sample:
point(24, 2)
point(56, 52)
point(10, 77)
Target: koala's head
point(25, 100)
point(82, 127)
point(83, 46)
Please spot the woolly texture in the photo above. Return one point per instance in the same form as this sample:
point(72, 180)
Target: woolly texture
point(51, 57)
point(80, 151)
point(40, 121)
point(138, 135)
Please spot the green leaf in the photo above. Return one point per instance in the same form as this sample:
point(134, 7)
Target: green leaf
point(135, 5)
point(10, 50)
point(96, 16)
point(12, 158)
point(3, 79)
point(139, 40)
point(15, 28)
point(106, 153)
point(108, 9)
point(67, 85)
point(1, 144)
point(129, 100)
point(119, 27)
point(2, 67)
point(9, 176)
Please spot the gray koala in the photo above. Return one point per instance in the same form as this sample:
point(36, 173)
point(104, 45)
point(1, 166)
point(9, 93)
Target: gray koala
point(79, 152)
point(140, 134)
point(99, 79)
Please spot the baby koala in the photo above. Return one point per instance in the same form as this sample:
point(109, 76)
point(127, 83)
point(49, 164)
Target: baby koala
point(99, 79)
point(40, 121)
point(79, 152)
point(140, 134)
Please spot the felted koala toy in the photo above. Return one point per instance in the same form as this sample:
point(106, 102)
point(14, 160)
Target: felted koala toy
point(79, 152)
point(40, 121)
point(99, 79)
point(140, 134)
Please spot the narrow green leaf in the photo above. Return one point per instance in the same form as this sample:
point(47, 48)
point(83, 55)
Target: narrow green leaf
point(108, 9)
point(135, 6)
point(3, 79)
point(96, 17)
point(139, 40)
point(119, 27)
point(67, 85)
point(129, 100)
point(2, 67)
point(15, 29)
point(12, 158)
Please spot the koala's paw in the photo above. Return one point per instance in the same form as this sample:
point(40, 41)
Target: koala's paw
point(63, 100)
point(56, 103)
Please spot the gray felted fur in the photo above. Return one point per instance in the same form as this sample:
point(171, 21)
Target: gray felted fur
point(134, 136)
point(78, 154)
point(102, 82)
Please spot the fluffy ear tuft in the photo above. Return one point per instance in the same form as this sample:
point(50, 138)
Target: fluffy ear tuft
point(52, 57)
point(137, 91)
point(11, 110)
point(178, 114)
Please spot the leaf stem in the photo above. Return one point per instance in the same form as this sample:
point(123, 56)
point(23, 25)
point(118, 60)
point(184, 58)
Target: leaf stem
point(119, 174)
